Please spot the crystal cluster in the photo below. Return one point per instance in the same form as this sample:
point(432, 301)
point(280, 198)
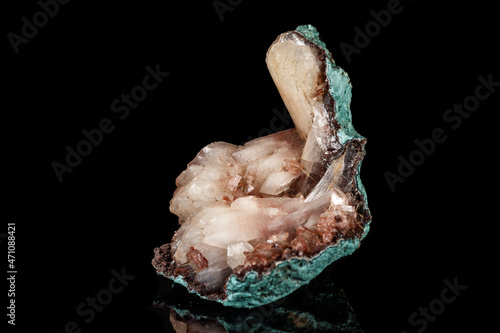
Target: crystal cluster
point(246, 210)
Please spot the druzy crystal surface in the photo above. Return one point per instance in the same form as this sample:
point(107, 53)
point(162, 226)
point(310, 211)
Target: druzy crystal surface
point(258, 221)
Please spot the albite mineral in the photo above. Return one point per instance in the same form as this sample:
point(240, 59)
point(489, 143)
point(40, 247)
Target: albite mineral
point(260, 220)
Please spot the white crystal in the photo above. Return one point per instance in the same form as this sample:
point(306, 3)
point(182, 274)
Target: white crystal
point(235, 253)
point(337, 198)
point(221, 221)
point(295, 70)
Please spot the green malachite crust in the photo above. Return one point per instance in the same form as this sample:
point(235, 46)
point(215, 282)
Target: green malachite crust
point(290, 275)
point(285, 278)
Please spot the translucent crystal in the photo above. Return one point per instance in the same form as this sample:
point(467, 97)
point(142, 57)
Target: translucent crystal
point(287, 195)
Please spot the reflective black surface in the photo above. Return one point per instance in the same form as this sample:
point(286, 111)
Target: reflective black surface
point(317, 307)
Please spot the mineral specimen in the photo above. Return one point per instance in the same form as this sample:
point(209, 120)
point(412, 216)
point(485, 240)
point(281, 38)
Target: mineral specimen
point(260, 220)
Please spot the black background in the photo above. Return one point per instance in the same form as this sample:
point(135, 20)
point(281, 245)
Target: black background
point(112, 210)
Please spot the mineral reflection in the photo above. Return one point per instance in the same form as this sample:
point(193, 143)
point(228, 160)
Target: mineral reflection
point(316, 307)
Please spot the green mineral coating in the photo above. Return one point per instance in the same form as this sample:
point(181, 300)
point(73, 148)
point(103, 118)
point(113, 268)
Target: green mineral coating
point(289, 275)
point(284, 279)
point(310, 32)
